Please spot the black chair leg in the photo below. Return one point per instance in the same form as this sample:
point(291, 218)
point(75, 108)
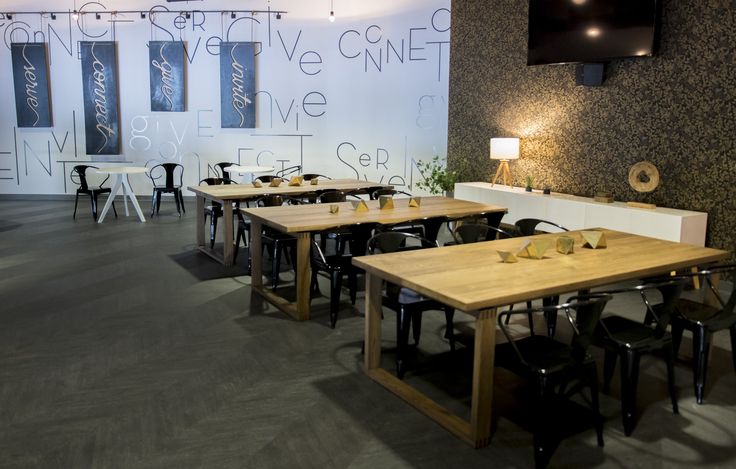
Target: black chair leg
point(629, 381)
point(213, 230)
point(676, 333)
point(353, 285)
point(449, 327)
point(609, 366)
point(335, 289)
point(593, 382)
point(670, 361)
point(158, 202)
point(153, 203)
point(403, 324)
point(76, 201)
point(181, 201)
point(416, 326)
point(93, 201)
point(550, 317)
point(178, 205)
point(114, 211)
point(701, 346)
point(732, 329)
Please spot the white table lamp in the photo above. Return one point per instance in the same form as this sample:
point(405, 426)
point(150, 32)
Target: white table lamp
point(504, 149)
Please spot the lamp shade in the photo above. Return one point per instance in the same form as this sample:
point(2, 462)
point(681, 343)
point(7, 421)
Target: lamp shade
point(505, 148)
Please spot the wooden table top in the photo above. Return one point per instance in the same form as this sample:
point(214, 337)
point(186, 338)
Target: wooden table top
point(471, 277)
point(317, 217)
point(231, 192)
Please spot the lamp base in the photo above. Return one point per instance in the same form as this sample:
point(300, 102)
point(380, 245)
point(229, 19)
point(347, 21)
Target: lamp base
point(503, 169)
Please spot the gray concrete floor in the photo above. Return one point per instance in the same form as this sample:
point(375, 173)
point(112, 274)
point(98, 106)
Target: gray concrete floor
point(121, 346)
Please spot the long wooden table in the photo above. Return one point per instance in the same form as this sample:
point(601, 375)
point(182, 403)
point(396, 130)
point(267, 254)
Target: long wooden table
point(304, 220)
point(471, 278)
point(228, 193)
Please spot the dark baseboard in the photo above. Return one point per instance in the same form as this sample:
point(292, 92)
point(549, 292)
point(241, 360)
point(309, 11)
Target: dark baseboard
point(61, 197)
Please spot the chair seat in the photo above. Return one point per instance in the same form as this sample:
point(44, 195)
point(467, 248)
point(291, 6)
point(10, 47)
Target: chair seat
point(543, 355)
point(704, 315)
point(97, 189)
point(628, 333)
point(164, 188)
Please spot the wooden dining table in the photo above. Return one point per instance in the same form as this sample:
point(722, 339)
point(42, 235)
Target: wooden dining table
point(472, 278)
point(227, 194)
point(302, 221)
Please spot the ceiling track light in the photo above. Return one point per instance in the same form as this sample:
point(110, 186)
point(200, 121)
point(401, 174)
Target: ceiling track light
point(232, 14)
point(278, 15)
point(9, 16)
point(143, 15)
point(97, 16)
point(332, 11)
point(75, 15)
point(187, 15)
point(53, 16)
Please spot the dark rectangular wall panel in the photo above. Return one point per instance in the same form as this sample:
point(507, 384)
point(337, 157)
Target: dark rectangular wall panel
point(100, 92)
point(31, 80)
point(166, 64)
point(237, 85)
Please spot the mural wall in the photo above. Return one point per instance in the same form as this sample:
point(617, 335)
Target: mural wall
point(364, 96)
point(675, 109)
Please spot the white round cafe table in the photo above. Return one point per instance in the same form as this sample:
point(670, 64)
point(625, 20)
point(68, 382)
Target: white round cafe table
point(122, 182)
point(248, 171)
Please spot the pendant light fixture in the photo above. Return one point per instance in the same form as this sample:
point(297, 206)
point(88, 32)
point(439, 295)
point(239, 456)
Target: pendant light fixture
point(332, 12)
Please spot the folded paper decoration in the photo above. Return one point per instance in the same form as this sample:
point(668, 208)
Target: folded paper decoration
point(257, 183)
point(507, 257)
point(594, 239)
point(296, 181)
point(565, 245)
point(334, 208)
point(534, 248)
point(386, 202)
point(415, 202)
point(275, 182)
point(314, 181)
point(360, 206)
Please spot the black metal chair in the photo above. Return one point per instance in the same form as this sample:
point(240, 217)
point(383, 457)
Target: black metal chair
point(310, 176)
point(335, 266)
point(407, 303)
point(628, 339)
point(266, 178)
point(713, 312)
point(221, 170)
point(277, 243)
point(406, 227)
point(296, 169)
point(214, 211)
point(78, 176)
point(165, 181)
point(466, 233)
point(528, 227)
point(341, 236)
point(555, 370)
point(375, 194)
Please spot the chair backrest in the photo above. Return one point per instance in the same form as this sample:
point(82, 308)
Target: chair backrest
point(216, 181)
point(332, 196)
point(528, 226)
point(310, 176)
point(289, 170)
point(395, 241)
point(165, 175)
point(221, 169)
point(727, 304)
point(581, 312)
point(375, 194)
point(266, 178)
point(78, 176)
point(476, 232)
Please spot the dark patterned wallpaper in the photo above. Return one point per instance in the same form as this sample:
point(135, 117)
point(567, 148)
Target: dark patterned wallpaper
point(677, 110)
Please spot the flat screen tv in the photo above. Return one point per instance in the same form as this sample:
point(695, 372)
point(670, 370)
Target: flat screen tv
point(570, 31)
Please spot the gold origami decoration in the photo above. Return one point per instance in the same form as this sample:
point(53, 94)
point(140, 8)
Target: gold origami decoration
point(565, 245)
point(314, 181)
point(275, 182)
point(415, 202)
point(360, 206)
point(594, 239)
point(257, 183)
point(296, 181)
point(386, 202)
point(534, 248)
point(507, 257)
point(334, 208)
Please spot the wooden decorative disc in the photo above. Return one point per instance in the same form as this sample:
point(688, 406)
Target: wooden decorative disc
point(643, 177)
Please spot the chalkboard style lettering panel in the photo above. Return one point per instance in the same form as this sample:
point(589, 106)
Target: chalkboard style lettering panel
point(31, 80)
point(166, 64)
point(100, 92)
point(237, 85)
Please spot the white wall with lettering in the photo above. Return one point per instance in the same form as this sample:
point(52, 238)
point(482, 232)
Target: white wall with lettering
point(364, 96)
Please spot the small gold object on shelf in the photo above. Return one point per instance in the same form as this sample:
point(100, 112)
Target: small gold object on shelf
point(415, 202)
point(507, 257)
point(641, 205)
point(605, 197)
point(295, 181)
point(257, 183)
point(360, 206)
point(314, 181)
point(534, 248)
point(565, 245)
point(594, 239)
point(386, 202)
point(334, 208)
point(275, 182)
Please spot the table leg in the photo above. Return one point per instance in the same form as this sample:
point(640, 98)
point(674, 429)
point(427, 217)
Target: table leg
point(256, 254)
point(482, 398)
point(113, 192)
point(133, 200)
point(126, 195)
point(200, 221)
point(373, 302)
point(303, 275)
point(228, 245)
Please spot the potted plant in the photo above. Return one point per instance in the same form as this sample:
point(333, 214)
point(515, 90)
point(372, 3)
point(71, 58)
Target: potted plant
point(436, 178)
point(529, 182)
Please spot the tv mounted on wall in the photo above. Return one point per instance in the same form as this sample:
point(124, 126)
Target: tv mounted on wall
point(579, 31)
